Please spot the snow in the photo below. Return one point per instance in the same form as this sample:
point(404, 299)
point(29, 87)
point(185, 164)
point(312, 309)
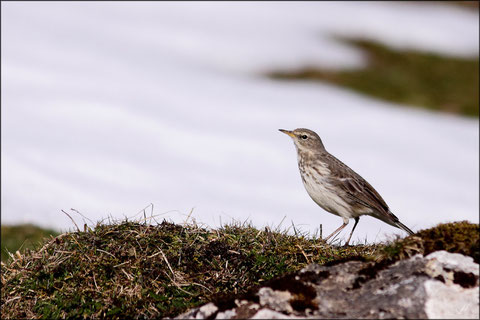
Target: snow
point(110, 106)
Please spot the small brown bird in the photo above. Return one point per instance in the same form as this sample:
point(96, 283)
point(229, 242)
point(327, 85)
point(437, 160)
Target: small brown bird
point(335, 187)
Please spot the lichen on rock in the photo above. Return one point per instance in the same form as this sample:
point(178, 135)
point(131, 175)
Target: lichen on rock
point(439, 285)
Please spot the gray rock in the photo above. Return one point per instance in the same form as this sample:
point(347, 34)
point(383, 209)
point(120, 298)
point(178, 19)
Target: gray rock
point(270, 314)
point(228, 314)
point(450, 301)
point(457, 296)
point(203, 312)
point(454, 262)
point(275, 300)
point(440, 285)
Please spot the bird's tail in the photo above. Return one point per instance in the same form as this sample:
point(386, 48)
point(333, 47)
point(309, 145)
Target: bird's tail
point(400, 225)
point(391, 219)
point(394, 221)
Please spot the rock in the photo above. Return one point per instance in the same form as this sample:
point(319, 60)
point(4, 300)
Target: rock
point(440, 285)
point(270, 314)
point(457, 295)
point(275, 300)
point(450, 302)
point(203, 312)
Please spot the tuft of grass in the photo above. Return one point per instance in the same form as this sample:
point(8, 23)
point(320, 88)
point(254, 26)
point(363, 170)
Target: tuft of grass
point(21, 237)
point(456, 237)
point(134, 270)
point(408, 77)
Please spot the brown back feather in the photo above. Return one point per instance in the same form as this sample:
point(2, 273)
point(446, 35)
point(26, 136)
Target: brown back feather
point(355, 187)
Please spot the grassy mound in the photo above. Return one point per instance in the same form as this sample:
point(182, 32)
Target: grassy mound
point(408, 77)
point(144, 271)
point(459, 237)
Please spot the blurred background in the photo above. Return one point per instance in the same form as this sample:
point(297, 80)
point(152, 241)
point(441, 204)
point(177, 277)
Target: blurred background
point(112, 107)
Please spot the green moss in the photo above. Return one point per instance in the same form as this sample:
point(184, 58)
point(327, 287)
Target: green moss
point(408, 77)
point(130, 270)
point(456, 237)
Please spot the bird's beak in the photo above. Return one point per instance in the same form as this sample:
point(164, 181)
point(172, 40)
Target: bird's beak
point(290, 133)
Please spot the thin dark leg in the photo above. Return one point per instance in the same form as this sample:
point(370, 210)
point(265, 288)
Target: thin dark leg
point(356, 221)
point(345, 222)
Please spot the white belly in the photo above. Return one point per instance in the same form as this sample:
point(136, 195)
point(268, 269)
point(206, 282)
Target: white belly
point(328, 200)
point(321, 191)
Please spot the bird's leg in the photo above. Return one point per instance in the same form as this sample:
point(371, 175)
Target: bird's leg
point(345, 222)
point(356, 221)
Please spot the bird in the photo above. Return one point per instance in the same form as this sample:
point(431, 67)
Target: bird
point(335, 187)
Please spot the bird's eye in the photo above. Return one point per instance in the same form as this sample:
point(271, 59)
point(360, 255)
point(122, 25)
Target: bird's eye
point(304, 137)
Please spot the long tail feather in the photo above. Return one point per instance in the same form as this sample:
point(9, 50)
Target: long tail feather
point(404, 227)
point(392, 220)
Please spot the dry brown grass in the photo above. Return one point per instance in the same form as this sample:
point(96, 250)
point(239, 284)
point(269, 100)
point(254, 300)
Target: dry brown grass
point(135, 270)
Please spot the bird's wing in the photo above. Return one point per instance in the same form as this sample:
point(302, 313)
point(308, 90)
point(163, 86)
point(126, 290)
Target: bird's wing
point(359, 191)
point(355, 187)
point(362, 192)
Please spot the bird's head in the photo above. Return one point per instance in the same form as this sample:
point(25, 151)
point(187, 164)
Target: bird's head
point(305, 140)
